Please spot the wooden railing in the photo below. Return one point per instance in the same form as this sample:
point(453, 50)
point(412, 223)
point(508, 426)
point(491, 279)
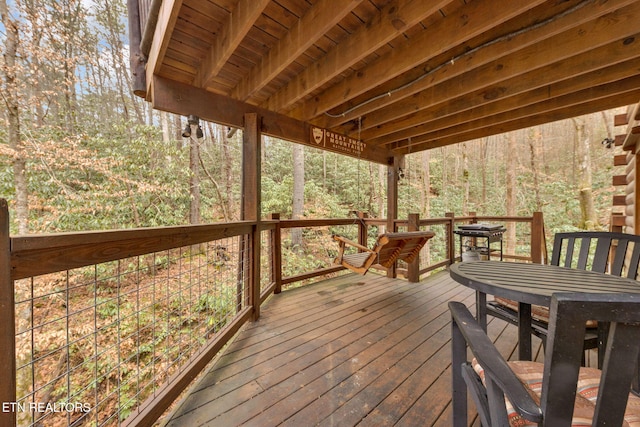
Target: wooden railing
point(116, 324)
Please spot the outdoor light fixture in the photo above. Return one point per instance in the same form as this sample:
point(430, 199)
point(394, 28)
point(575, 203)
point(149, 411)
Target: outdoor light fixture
point(608, 142)
point(192, 120)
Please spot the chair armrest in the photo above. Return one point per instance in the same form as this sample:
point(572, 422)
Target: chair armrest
point(495, 367)
point(343, 241)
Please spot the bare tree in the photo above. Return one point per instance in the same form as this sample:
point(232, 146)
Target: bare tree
point(583, 144)
point(194, 177)
point(511, 186)
point(534, 141)
point(11, 102)
point(297, 208)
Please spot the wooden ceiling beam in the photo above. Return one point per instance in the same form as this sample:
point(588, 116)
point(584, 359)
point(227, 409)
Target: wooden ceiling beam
point(240, 21)
point(166, 22)
point(603, 65)
point(478, 56)
point(560, 113)
point(184, 99)
point(395, 18)
point(464, 24)
point(313, 25)
point(564, 102)
point(609, 28)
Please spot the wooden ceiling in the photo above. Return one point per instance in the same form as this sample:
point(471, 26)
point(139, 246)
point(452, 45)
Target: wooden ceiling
point(400, 76)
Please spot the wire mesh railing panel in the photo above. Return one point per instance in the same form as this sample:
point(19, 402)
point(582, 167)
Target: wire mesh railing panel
point(266, 258)
point(307, 249)
point(436, 250)
point(93, 343)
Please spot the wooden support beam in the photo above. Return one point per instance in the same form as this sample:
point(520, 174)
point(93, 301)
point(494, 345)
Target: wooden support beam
point(458, 28)
point(413, 269)
point(620, 119)
point(619, 140)
point(618, 220)
point(619, 200)
point(620, 160)
point(619, 180)
point(395, 18)
point(538, 252)
point(312, 26)
point(183, 99)
point(631, 139)
point(276, 253)
point(484, 61)
point(393, 172)
point(167, 17)
point(250, 205)
point(553, 110)
point(512, 95)
point(7, 321)
point(635, 196)
point(528, 68)
point(240, 21)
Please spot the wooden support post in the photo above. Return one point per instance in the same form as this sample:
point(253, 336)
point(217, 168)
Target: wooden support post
point(276, 253)
point(615, 224)
point(7, 321)
point(636, 195)
point(363, 231)
point(413, 269)
point(392, 201)
point(250, 205)
point(451, 244)
point(537, 239)
point(136, 61)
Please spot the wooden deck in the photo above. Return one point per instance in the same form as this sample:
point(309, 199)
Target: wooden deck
point(366, 351)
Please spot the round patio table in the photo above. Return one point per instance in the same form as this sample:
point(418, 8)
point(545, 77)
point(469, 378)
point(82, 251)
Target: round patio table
point(531, 284)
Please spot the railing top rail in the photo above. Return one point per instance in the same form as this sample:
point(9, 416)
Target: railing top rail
point(43, 254)
point(494, 218)
point(294, 223)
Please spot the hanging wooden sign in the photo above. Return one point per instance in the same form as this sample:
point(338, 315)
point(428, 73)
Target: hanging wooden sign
point(337, 142)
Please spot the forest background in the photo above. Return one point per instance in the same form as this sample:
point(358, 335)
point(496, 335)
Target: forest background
point(81, 152)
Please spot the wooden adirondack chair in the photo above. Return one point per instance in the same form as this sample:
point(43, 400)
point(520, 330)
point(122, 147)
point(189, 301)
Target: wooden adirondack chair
point(389, 248)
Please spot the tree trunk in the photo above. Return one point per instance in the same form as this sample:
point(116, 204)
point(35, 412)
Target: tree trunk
point(425, 201)
point(485, 158)
point(297, 208)
point(534, 141)
point(465, 179)
point(164, 121)
point(511, 186)
point(194, 179)
point(589, 219)
point(382, 202)
point(10, 96)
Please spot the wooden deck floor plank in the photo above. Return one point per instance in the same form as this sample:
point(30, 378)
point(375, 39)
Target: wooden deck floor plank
point(353, 350)
point(316, 308)
point(300, 302)
point(407, 404)
point(366, 399)
point(370, 362)
point(292, 365)
point(316, 302)
point(315, 328)
point(368, 386)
